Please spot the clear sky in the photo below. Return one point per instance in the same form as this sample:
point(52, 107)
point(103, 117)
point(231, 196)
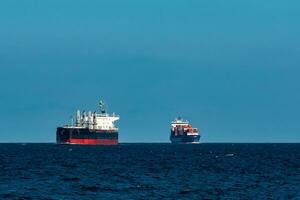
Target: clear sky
point(230, 67)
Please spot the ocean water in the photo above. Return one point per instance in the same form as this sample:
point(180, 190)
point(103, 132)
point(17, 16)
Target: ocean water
point(150, 171)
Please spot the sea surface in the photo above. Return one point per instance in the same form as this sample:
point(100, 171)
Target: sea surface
point(150, 171)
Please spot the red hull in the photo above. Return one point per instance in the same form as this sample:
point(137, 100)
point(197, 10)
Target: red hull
point(93, 141)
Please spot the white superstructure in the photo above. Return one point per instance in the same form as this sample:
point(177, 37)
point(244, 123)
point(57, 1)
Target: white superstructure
point(97, 121)
point(179, 121)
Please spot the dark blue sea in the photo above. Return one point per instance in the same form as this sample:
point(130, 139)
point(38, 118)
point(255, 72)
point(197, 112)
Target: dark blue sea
point(150, 171)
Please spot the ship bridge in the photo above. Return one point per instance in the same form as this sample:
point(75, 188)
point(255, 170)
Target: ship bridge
point(97, 121)
point(180, 122)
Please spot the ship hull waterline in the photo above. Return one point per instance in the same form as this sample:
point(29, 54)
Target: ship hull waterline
point(185, 139)
point(84, 136)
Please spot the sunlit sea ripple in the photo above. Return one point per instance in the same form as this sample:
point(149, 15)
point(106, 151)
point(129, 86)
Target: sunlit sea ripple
point(150, 171)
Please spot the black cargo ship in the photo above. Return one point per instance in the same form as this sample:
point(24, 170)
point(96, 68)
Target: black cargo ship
point(90, 129)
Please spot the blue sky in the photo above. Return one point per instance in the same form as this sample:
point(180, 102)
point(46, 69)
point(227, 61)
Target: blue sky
point(230, 67)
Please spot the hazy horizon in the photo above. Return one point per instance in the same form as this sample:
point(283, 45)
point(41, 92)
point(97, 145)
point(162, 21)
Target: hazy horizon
point(230, 67)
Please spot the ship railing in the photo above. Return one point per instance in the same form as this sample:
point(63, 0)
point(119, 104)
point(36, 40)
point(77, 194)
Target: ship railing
point(107, 115)
point(106, 130)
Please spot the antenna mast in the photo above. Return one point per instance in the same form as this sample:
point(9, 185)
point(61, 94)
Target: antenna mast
point(102, 107)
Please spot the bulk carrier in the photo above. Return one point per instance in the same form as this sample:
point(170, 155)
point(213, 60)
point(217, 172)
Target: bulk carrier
point(182, 132)
point(90, 129)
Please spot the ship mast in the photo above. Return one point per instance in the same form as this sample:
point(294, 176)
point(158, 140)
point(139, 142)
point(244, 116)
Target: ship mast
point(102, 107)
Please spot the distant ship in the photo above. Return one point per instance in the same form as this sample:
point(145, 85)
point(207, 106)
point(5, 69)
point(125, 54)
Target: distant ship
point(90, 129)
point(182, 132)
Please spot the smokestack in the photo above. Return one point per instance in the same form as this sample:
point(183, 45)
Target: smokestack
point(90, 123)
point(95, 120)
point(78, 118)
point(83, 121)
